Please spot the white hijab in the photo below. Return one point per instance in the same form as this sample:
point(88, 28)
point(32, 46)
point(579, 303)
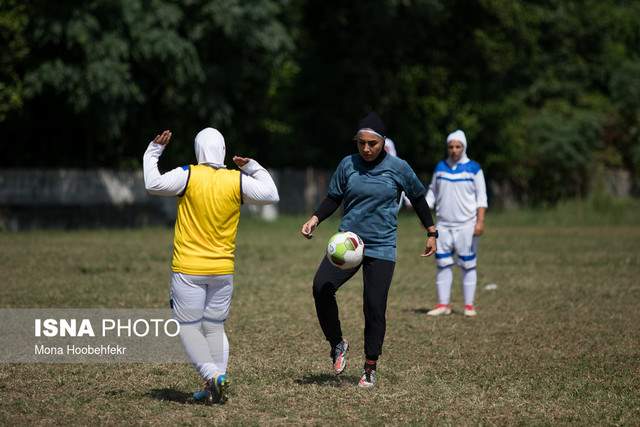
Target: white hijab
point(458, 136)
point(210, 148)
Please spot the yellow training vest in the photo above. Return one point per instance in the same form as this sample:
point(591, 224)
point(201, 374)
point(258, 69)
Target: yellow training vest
point(204, 241)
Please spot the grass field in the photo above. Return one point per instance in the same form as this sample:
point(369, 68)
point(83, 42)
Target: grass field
point(558, 342)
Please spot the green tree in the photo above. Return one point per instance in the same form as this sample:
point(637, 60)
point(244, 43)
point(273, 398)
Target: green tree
point(103, 76)
point(545, 89)
point(13, 21)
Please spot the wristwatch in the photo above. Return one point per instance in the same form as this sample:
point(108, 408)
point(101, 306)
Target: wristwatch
point(432, 234)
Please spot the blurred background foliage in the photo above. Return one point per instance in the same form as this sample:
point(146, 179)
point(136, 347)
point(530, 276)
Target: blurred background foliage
point(548, 91)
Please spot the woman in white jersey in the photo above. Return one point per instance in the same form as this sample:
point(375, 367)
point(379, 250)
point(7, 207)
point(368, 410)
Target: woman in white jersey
point(209, 199)
point(458, 191)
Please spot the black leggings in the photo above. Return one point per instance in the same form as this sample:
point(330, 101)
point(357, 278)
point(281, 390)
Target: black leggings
point(377, 275)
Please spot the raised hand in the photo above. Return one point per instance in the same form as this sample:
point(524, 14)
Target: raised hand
point(163, 138)
point(240, 161)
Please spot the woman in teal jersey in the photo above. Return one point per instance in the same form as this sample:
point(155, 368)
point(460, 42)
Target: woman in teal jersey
point(368, 185)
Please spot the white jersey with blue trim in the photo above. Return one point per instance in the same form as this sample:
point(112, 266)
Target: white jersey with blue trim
point(457, 192)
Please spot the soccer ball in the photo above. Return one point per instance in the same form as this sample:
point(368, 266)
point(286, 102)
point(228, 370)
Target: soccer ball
point(345, 250)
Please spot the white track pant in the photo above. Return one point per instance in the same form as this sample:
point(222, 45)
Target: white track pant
point(201, 305)
point(460, 244)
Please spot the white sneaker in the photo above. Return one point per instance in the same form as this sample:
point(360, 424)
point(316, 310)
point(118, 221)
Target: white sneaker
point(441, 309)
point(469, 311)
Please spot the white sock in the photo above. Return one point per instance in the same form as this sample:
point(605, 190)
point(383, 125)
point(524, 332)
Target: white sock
point(469, 280)
point(444, 277)
point(218, 344)
point(197, 349)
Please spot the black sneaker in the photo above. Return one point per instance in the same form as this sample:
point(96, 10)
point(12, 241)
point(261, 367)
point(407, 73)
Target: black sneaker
point(368, 378)
point(339, 356)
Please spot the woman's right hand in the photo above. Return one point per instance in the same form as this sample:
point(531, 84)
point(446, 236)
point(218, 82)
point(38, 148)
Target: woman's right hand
point(309, 227)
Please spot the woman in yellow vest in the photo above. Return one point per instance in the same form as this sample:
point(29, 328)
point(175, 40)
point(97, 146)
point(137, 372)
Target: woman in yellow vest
point(204, 243)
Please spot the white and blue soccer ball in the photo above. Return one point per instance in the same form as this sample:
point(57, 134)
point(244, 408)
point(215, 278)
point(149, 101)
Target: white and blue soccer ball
point(345, 250)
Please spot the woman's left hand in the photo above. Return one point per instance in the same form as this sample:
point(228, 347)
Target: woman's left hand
point(430, 247)
point(240, 161)
point(163, 138)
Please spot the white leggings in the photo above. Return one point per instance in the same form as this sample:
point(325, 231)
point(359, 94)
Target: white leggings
point(444, 279)
point(201, 305)
point(460, 244)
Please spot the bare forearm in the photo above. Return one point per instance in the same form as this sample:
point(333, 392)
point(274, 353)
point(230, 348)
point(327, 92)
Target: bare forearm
point(480, 215)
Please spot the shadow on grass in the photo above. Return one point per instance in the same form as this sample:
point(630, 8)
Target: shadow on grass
point(426, 310)
point(328, 380)
point(171, 395)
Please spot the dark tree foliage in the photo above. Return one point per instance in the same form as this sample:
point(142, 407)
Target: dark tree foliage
point(103, 77)
point(548, 91)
